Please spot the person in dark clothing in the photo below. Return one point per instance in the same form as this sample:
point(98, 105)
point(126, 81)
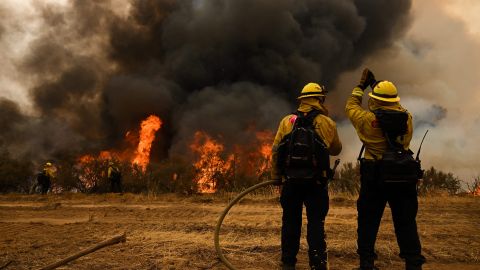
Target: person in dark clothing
point(44, 178)
point(115, 178)
point(307, 184)
point(376, 188)
point(43, 181)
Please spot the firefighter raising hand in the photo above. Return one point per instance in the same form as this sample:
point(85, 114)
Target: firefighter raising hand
point(368, 79)
point(388, 172)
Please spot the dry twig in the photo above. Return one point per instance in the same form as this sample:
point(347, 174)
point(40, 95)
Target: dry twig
point(109, 242)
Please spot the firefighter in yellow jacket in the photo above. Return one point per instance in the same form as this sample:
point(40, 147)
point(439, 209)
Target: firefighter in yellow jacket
point(45, 178)
point(376, 192)
point(300, 158)
point(115, 177)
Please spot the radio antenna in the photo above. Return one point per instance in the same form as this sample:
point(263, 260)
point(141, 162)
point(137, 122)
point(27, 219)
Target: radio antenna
point(420, 148)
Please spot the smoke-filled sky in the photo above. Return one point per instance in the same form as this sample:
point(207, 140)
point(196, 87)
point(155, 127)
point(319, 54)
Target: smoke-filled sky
point(436, 67)
point(76, 75)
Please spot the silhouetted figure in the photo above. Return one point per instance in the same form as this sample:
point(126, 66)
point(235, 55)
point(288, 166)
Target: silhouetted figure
point(115, 178)
point(44, 178)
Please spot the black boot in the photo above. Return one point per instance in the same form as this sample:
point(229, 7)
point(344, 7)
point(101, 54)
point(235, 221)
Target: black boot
point(414, 262)
point(367, 268)
point(318, 260)
point(320, 266)
point(288, 266)
point(413, 267)
point(367, 264)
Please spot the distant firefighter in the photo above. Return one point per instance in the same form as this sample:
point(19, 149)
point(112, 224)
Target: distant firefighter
point(115, 177)
point(44, 178)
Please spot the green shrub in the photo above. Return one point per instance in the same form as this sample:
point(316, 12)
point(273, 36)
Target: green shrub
point(435, 180)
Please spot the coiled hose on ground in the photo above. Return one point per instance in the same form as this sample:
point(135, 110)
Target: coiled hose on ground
point(225, 212)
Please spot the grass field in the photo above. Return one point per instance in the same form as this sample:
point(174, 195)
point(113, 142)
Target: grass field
point(176, 232)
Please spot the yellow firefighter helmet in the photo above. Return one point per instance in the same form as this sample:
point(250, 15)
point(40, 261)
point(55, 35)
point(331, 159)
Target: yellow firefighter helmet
point(313, 90)
point(385, 91)
point(48, 164)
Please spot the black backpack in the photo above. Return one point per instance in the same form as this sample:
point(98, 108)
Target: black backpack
point(397, 164)
point(302, 154)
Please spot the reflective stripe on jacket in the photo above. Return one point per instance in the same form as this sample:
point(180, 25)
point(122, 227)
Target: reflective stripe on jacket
point(367, 127)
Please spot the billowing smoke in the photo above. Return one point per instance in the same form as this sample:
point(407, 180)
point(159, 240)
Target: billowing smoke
point(95, 69)
point(435, 67)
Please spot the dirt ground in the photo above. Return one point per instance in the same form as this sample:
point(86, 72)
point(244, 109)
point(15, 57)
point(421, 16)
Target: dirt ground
point(176, 232)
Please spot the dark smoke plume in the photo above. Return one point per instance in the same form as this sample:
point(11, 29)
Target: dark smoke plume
point(217, 65)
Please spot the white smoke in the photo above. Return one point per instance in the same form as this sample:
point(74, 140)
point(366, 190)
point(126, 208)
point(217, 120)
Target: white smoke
point(436, 69)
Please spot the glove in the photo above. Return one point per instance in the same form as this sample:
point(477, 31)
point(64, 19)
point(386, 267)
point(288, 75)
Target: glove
point(368, 79)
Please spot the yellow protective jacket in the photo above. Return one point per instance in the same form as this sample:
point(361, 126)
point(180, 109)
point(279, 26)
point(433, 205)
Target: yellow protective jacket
point(324, 126)
point(50, 172)
point(111, 171)
point(366, 125)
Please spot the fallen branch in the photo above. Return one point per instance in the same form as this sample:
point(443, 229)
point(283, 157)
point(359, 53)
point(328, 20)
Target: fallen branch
point(109, 242)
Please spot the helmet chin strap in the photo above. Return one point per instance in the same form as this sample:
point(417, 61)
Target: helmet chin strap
point(322, 99)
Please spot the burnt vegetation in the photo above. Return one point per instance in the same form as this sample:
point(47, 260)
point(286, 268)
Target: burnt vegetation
point(177, 175)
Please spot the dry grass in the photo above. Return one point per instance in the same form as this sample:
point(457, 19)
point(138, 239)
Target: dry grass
point(176, 232)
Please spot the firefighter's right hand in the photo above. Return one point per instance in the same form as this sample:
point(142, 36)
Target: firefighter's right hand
point(368, 79)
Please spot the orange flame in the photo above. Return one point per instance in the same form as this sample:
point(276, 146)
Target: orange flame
point(265, 139)
point(148, 128)
point(477, 191)
point(210, 165)
point(141, 157)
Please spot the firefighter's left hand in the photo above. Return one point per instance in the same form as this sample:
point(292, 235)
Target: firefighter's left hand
point(367, 79)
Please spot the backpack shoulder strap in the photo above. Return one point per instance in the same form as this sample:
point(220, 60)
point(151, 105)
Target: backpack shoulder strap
point(313, 114)
point(361, 152)
point(309, 117)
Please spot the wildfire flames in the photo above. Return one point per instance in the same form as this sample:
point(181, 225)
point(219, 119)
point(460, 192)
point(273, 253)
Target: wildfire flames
point(265, 138)
point(476, 192)
point(141, 156)
point(210, 165)
point(213, 163)
point(148, 129)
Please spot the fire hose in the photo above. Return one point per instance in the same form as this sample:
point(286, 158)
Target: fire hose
point(225, 212)
point(231, 204)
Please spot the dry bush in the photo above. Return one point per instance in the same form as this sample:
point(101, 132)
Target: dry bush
point(348, 180)
point(474, 188)
point(172, 175)
point(436, 181)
